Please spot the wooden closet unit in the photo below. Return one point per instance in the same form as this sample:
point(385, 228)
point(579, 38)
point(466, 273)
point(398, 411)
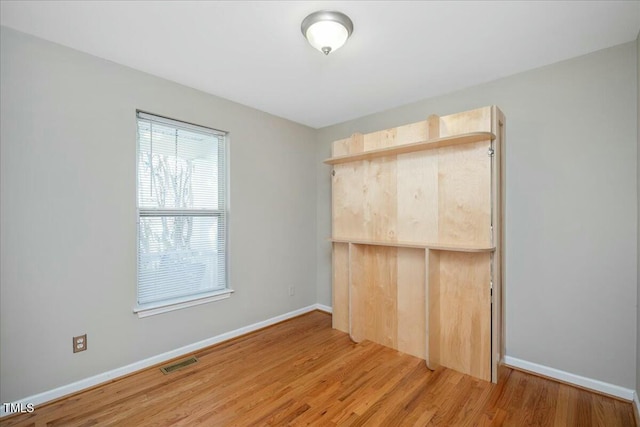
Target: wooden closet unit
point(417, 239)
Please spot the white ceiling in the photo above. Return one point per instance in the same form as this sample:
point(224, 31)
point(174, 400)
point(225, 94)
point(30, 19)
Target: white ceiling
point(254, 53)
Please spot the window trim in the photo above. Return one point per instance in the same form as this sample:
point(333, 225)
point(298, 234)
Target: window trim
point(158, 307)
point(180, 303)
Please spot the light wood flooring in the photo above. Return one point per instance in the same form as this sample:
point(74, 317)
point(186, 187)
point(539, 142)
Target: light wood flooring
point(302, 372)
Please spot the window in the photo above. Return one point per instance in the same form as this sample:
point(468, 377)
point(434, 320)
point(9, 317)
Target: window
point(182, 224)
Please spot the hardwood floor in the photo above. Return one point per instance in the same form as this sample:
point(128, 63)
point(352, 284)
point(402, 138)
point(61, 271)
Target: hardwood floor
point(302, 372)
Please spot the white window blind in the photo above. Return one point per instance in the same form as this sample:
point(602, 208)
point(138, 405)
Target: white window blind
point(182, 211)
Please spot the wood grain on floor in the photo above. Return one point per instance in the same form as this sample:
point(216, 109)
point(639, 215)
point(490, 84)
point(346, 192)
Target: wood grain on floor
point(302, 372)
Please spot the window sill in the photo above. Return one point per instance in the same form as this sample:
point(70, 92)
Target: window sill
point(177, 304)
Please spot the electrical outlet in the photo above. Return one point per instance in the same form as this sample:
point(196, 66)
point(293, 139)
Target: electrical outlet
point(80, 343)
point(292, 290)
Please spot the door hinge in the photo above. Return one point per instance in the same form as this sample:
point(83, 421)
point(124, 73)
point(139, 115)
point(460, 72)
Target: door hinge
point(490, 152)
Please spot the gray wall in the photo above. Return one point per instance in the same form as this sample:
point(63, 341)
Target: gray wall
point(68, 215)
point(571, 202)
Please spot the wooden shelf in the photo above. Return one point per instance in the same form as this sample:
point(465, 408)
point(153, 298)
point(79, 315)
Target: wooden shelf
point(430, 144)
point(416, 245)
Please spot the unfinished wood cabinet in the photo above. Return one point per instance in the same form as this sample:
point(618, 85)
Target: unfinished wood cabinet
point(417, 239)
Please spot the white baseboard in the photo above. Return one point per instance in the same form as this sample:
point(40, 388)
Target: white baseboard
point(324, 308)
point(56, 393)
point(636, 407)
point(567, 377)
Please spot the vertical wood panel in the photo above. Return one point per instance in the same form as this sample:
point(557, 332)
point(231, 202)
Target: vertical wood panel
point(340, 294)
point(465, 313)
point(347, 199)
point(433, 316)
point(347, 193)
point(417, 185)
point(374, 294)
point(464, 199)
point(497, 307)
point(380, 207)
point(417, 189)
point(411, 301)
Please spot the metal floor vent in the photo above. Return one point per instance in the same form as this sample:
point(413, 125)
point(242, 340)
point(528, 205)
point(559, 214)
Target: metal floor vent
point(167, 369)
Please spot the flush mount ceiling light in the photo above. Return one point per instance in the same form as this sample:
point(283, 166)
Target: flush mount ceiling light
point(327, 30)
